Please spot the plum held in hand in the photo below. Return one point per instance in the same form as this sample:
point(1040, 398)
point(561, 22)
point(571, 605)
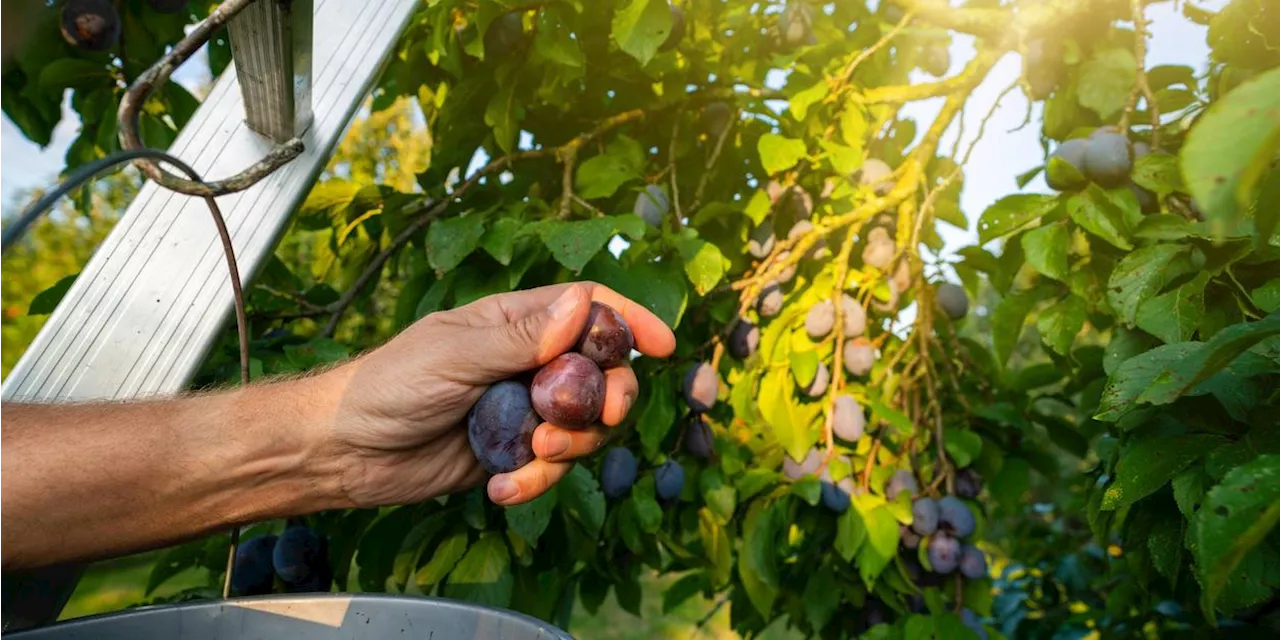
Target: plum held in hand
point(254, 575)
point(90, 25)
point(699, 440)
point(955, 518)
point(618, 472)
point(701, 386)
point(669, 480)
point(500, 427)
point(569, 391)
point(300, 555)
point(607, 340)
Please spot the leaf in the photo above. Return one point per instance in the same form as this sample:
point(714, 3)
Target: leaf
point(379, 545)
point(643, 500)
point(415, 543)
point(881, 412)
point(450, 240)
point(574, 243)
point(808, 488)
point(500, 115)
point(1061, 322)
point(1135, 375)
point(1046, 249)
point(881, 545)
point(530, 519)
point(963, 446)
point(659, 286)
point(683, 589)
point(1237, 515)
point(1009, 485)
point(1138, 277)
point(1106, 80)
point(483, 575)
point(1206, 359)
point(716, 547)
point(1266, 297)
point(640, 27)
point(850, 534)
point(46, 301)
point(1013, 213)
point(801, 101)
point(554, 39)
point(821, 596)
point(804, 366)
point(1158, 172)
point(703, 263)
point(1145, 467)
point(658, 416)
point(499, 240)
point(844, 159)
point(316, 351)
point(1165, 545)
point(777, 400)
point(1230, 148)
point(600, 176)
point(1094, 210)
point(778, 153)
point(580, 496)
point(72, 73)
point(757, 566)
point(1174, 316)
point(447, 554)
point(1007, 320)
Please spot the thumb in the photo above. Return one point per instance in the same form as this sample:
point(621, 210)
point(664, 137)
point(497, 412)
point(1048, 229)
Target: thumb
point(531, 341)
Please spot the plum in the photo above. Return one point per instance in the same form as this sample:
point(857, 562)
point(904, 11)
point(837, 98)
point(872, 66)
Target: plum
point(607, 340)
point(1107, 159)
point(500, 427)
point(793, 206)
point(901, 480)
point(505, 37)
point(818, 386)
point(769, 304)
point(955, 518)
point(953, 300)
point(937, 60)
point(879, 251)
point(973, 622)
point(944, 553)
point(652, 204)
point(835, 496)
point(618, 471)
point(849, 421)
point(796, 470)
point(669, 480)
point(820, 319)
point(859, 356)
point(569, 391)
point(1141, 149)
point(1071, 177)
point(701, 387)
point(853, 315)
point(790, 271)
point(1147, 200)
point(716, 118)
point(254, 575)
point(319, 582)
point(167, 6)
point(699, 440)
point(760, 243)
point(968, 483)
point(799, 230)
point(907, 538)
point(677, 29)
point(90, 25)
point(795, 24)
point(744, 339)
point(973, 563)
point(877, 175)
point(924, 516)
point(299, 555)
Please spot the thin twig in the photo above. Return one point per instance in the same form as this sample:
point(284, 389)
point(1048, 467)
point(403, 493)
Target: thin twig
point(678, 219)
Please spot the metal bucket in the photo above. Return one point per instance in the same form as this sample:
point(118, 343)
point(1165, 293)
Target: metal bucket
point(330, 616)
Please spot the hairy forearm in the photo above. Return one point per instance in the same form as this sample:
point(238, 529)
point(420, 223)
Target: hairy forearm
point(95, 480)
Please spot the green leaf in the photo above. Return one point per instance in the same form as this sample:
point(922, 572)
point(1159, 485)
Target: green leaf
point(881, 412)
point(630, 225)
point(1165, 545)
point(643, 501)
point(686, 587)
point(1094, 210)
point(850, 534)
point(499, 240)
point(1174, 316)
point(1163, 226)
point(1135, 375)
point(1237, 515)
point(327, 201)
point(1158, 172)
point(881, 545)
point(1189, 489)
point(447, 554)
point(580, 496)
point(1140, 276)
point(804, 366)
point(72, 73)
point(844, 159)
point(483, 575)
point(759, 207)
point(659, 286)
point(553, 38)
point(1013, 213)
point(778, 407)
point(415, 543)
point(963, 446)
point(1046, 249)
point(500, 115)
point(530, 519)
point(1106, 80)
point(1007, 320)
point(757, 566)
point(808, 488)
point(600, 176)
point(703, 263)
point(1231, 147)
point(1061, 322)
point(450, 240)
point(641, 26)
point(801, 101)
point(574, 243)
point(1206, 359)
point(1266, 297)
point(379, 546)
point(314, 352)
point(658, 416)
point(46, 301)
point(1009, 485)
point(778, 153)
point(821, 596)
point(716, 547)
point(1150, 464)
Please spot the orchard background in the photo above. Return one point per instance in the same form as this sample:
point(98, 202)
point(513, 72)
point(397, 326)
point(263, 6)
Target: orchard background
point(1112, 388)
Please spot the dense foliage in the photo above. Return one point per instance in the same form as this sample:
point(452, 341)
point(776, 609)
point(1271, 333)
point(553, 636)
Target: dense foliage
point(1117, 465)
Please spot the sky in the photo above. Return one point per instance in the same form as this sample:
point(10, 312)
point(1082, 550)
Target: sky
point(1001, 155)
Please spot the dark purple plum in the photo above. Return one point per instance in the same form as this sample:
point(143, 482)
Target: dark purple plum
point(901, 481)
point(953, 300)
point(669, 480)
point(944, 553)
point(820, 319)
point(319, 582)
point(699, 440)
point(505, 36)
point(879, 250)
point(569, 391)
point(716, 117)
point(770, 301)
point(607, 340)
point(300, 555)
point(859, 356)
point(1068, 175)
point(924, 516)
point(500, 427)
point(254, 575)
point(761, 242)
point(849, 421)
point(1108, 159)
point(744, 340)
point(908, 538)
point(955, 518)
point(796, 470)
point(90, 25)
point(618, 472)
point(677, 29)
point(701, 386)
point(818, 386)
point(968, 483)
point(835, 496)
point(973, 563)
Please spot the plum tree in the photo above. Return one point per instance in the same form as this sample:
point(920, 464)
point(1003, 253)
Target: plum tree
point(902, 481)
point(254, 575)
point(701, 387)
point(859, 356)
point(770, 302)
point(924, 516)
point(968, 483)
point(669, 480)
point(761, 242)
point(300, 555)
point(500, 427)
point(796, 470)
point(818, 386)
point(955, 518)
point(973, 562)
point(607, 340)
point(1068, 174)
point(716, 118)
point(820, 319)
point(744, 339)
point(877, 175)
point(90, 25)
point(652, 204)
point(677, 28)
point(953, 300)
point(505, 37)
point(699, 440)
point(848, 421)
point(943, 552)
point(618, 472)
point(1107, 158)
point(569, 391)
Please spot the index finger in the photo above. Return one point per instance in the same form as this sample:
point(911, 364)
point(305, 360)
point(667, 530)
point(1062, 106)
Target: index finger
point(653, 336)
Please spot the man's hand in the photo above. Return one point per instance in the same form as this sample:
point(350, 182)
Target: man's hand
point(399, 430)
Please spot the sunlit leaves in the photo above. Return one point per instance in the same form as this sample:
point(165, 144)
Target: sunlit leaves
point(1106, 80)
point(1013, 213)
point(778, 153)
point(640, 27)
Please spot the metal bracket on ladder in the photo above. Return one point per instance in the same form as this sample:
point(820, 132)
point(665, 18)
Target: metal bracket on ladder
point(152, 301)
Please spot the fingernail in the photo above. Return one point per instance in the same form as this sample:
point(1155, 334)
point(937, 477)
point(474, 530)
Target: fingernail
point(502, 488)
point(565, 304)
point(558, 443)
